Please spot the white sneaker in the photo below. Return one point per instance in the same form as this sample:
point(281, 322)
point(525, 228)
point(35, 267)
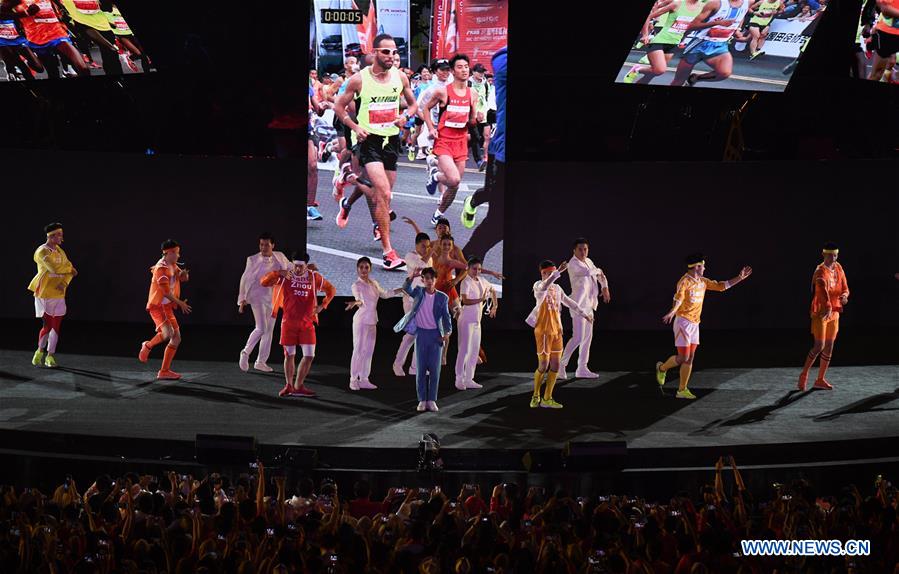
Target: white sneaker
point(461, 385)
point(585, 374)
point(263, 367)
point(354, 385)
point(473, 385)
point(366, 384)
point(398, 370)
point(244, 362)
point(432, 406)
point(562, 375)
point(422, 406)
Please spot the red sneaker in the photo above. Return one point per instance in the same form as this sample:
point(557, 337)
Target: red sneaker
point(285, 391)
point(823, 384)
point(144, 352)
point(303, 391)
point(803, 380)
point(393, 261)
point(167, 376)
point(343, 215)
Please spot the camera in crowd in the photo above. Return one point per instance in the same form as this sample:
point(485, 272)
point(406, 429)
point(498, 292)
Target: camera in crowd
point(429, 453)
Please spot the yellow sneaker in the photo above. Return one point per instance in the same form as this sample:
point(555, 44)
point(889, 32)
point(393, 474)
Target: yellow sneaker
point(535, 401)
point(550, 404)
point(685, 394)
point(38, 358)
point(50, 361)
point(660, 374)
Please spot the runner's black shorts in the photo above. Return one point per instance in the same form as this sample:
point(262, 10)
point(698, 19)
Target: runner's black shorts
point(373, 149)
point(885, 45)
point(666, 48)
point(419, 121)
point(761, 27)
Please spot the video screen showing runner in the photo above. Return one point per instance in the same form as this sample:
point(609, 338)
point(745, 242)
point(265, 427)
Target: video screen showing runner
point(56, 39)
point(405, 162)
point(728, 44)
point(877, 42)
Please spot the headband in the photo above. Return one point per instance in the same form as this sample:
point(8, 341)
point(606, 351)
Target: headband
point(550, 269)
point(692, 265)
point(830, 251)
point(54, 232)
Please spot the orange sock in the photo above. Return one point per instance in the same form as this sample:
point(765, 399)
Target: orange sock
point(158, 338)
point(167, 358)
point(822, 366)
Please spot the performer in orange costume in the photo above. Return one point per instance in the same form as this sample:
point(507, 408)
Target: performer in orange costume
point(830, 293)
point(165, 293)
point(296, 291)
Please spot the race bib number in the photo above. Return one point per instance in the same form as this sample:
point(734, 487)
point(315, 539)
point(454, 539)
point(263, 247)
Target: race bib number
point(46, 15)
point(681, 24)
point(718, 34)
point(120, 24)
point(457, 116)
point(87, 6)
point(8, 31)
point(382, 114)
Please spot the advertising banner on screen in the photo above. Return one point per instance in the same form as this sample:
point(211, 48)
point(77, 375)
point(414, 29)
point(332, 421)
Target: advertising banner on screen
point(477, 28)
point(786, 37)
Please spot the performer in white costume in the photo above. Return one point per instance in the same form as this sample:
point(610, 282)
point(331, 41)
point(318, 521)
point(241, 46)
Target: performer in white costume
point(259, 299)
point(474, 291)
point(366, 292)
point(587, 283)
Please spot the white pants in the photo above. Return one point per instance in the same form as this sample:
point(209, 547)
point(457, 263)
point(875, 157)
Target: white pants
point(408, 341)
point(262, 334)
point(363, 349)
point(469, 345)
point(581, 337)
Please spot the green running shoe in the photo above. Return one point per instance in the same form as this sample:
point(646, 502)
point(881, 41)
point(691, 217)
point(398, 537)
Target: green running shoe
point(632, 76)
point(50, 361)
point(38, 358)
point(535, 401)
point(468, 213)
point(685, 394)
point(550, 404)
point(660, 374)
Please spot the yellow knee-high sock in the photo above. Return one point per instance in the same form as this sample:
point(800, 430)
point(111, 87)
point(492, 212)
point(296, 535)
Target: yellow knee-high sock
point(538, 381)
point(685, 371)
point(670, 363)
point(550, 385)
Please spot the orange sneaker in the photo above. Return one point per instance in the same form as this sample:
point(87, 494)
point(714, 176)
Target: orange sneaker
point(144, 354)
point(285, 391)
point(302, 391)
point(167, 376)
point(823, 384)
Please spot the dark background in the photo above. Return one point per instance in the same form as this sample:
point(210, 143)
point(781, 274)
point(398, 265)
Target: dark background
point(118, 209)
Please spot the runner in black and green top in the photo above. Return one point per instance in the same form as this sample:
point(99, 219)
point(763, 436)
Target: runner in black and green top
point(764, 12)
point(677, 16)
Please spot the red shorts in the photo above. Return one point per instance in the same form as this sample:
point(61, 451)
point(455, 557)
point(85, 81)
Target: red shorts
point(163, 314)
point(293, 334)
point(457, 148)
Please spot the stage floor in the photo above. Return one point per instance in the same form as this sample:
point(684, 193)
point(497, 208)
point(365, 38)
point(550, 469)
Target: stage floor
point(118, 397)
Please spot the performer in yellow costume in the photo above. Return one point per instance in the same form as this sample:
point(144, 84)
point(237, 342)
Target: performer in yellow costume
point(54, 273)
point(546, 319)
point(684, 316)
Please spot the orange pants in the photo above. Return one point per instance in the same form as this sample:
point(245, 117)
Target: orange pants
point(162, 314)
point(826, 330)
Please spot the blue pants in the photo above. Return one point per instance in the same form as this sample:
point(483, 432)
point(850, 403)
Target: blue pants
point(428, 351)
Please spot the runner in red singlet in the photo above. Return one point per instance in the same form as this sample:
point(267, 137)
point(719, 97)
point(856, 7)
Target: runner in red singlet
point(458, 107)
point(46, 35)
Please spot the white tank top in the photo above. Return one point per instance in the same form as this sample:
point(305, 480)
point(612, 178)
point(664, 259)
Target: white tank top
point(725, 12)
